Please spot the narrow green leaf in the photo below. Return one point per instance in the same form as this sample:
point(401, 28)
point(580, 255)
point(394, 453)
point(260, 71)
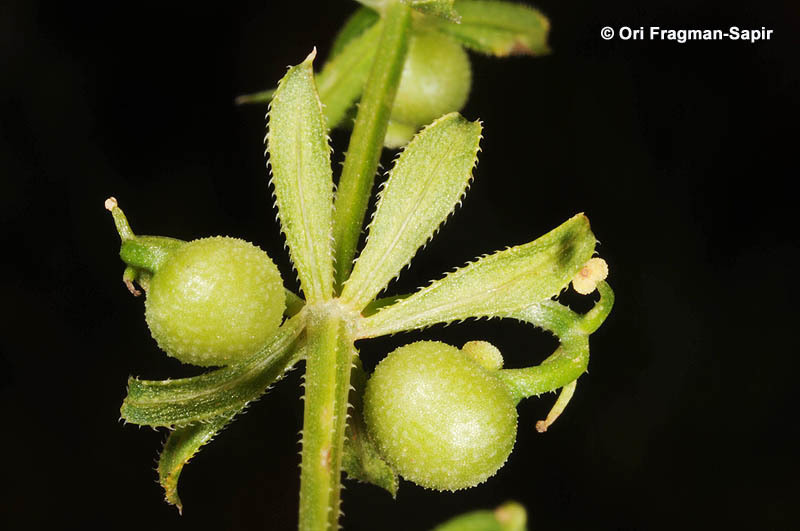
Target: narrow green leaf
point(425, 185)
point(437, 8)
point(500, 28)
point(182, 444)
point(361, 460)
point(187, 400)
point(299, 155)
point(360, 21)
point(342, 79)
point(494, 285)
point(263, 96)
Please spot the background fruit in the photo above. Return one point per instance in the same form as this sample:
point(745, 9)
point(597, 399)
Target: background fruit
point(436, 80)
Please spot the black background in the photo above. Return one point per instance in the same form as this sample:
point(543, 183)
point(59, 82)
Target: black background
point(680, 154)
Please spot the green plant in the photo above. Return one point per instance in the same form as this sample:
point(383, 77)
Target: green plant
point(340, 304)
point(440, 418)
point(510, 516)
point(212, 301)
point(436, 80)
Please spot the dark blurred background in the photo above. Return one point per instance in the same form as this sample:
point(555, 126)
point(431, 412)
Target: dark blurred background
point(680, 154)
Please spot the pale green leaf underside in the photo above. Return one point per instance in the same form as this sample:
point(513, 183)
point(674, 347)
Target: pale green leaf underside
point(425, 185)
point(499, 28)
point(299, 155)
point(215, 393)
point(495, 285)
point(182, 444)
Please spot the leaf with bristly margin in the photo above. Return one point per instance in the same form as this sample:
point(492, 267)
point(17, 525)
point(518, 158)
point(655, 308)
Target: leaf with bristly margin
point(437, 8)
point(494, 285)
point(424, 187)
point(360, 21)
point(200, 398)
point(299, 156)
point(182, 444)
point(499, 28)
point(361, 460)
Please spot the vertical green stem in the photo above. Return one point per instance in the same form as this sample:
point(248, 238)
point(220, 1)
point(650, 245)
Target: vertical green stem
point(366, 142)
point(327, 385)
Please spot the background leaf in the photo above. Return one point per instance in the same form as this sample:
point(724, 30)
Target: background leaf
point(510, 516)
point(360, 21)
point(438, 8)
point(499, 28)
point(342, 79)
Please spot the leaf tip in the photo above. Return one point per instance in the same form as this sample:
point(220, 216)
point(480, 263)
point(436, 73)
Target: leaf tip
point(582, 217)
point(310, 58)
point(176, 501)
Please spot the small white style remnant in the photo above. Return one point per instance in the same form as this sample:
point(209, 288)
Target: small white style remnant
point(590, 274)
point(111, 203)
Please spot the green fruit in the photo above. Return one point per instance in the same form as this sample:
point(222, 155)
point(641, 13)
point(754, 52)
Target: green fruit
point(214, 301)
point(439, 418)
point(436, 80)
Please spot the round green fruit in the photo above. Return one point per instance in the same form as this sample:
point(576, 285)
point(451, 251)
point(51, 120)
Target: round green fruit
point(436, 80)
point(439, 418)
point(214, 301)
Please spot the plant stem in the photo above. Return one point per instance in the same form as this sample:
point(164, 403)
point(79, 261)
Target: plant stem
point(366, 141)
point(330, 342)
point(564, 366)
point(327, 385)
point(595, 317)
